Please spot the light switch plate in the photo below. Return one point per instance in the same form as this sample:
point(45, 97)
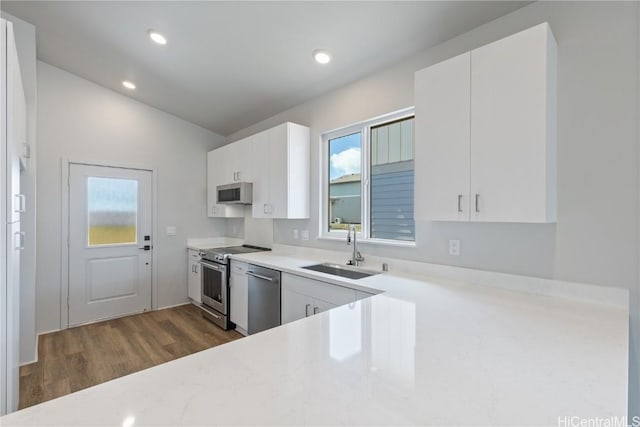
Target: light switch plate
point(454, 247)
point(171, 231)
point(296, 234)
point(304, 234)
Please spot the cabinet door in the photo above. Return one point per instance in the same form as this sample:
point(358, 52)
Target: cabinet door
point(319, 306)
point(239, 299)
point(261, 169)
point(298, 179)
point(14, 243)
point(193, 276)
point(243, 156)
point(228, 168)
point(216, 171)
point(212, 159)
point(512, 128)
point(279, 171)
point(295, 305)
point(442, 98)
point(16, 130)
point(239, 295)
point(316, 296)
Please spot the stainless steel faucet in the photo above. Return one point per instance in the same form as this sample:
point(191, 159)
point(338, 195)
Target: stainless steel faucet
point(357, 257)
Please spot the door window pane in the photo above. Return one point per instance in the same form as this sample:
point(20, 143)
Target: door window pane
point(344, 182)
point(392, 183)
point(112, 205)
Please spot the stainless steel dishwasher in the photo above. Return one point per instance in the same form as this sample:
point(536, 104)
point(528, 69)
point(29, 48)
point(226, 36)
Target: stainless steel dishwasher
point(264, 298)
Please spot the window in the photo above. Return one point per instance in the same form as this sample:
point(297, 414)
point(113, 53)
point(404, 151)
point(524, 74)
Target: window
point(112, 206)
point(345, 184)
point(369, 179)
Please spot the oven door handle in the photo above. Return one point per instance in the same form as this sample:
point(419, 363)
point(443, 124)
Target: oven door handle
point(221, 269)
point(259, 276)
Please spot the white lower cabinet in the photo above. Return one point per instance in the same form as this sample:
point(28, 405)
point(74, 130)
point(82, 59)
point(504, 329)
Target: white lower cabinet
point(303, 297)
point(239, 295)
point(193, 276)
point(294, 305)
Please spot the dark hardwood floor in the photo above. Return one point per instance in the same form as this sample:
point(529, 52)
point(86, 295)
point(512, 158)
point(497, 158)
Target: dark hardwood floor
point(84, 356)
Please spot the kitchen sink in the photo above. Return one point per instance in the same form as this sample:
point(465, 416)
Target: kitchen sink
point(341, 270)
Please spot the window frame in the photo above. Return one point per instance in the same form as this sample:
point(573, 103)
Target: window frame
point(364, 128)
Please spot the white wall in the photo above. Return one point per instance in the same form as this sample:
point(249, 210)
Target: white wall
point(25, 34)
point(82, 121)
point(596, 237)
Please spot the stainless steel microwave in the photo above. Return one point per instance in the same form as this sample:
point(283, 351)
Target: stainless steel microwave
point(237, 193)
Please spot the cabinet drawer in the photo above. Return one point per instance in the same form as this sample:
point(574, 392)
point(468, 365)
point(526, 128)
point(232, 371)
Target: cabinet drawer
point(327, 292)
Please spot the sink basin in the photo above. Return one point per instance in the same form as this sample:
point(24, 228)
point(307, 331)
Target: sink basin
point(341, 270)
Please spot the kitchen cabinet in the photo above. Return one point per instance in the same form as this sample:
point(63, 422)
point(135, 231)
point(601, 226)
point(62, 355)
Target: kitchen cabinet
point(486, 133)
point(280, 157)
point(275, 161)
point(217, 172)
point(235, 167)
point(239, 295)
point(303, 297)
point(194, 283)
point(13, 115)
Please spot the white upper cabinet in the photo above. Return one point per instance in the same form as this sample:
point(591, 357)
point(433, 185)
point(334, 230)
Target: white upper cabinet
point(513, 128)
point(217, 172)
point(486, 133)
point(276, 162)
point(260, 169)
point(281, 183)
point(16, 129)
point(442, 126)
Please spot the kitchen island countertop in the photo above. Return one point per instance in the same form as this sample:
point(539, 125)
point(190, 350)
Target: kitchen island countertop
point(422, 351)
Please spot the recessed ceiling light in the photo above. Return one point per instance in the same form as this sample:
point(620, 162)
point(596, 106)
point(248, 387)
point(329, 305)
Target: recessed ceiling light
point(157, 37)
point(128, 84)
point(322, 56)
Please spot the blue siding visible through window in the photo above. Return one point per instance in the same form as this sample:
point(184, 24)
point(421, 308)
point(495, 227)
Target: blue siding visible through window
point(392, 201)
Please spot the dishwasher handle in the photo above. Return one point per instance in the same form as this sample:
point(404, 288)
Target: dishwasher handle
point(259, 276)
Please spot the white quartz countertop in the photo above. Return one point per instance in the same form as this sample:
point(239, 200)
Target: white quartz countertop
point(421, 352)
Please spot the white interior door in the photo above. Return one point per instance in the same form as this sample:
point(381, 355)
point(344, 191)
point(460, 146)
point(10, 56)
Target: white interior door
point(110, 211)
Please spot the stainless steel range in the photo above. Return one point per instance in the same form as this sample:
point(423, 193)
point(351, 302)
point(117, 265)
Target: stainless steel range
point(215, 282)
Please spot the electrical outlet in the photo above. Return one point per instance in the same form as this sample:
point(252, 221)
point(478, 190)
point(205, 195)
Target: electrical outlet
point(305, 234)
point(296, 234)
point(171, 230)
point(454, 247)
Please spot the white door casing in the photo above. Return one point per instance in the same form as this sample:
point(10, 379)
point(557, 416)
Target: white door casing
point(109, 269)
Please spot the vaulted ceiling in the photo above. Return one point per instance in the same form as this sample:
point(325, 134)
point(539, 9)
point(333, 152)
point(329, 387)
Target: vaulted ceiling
point(230, 64)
